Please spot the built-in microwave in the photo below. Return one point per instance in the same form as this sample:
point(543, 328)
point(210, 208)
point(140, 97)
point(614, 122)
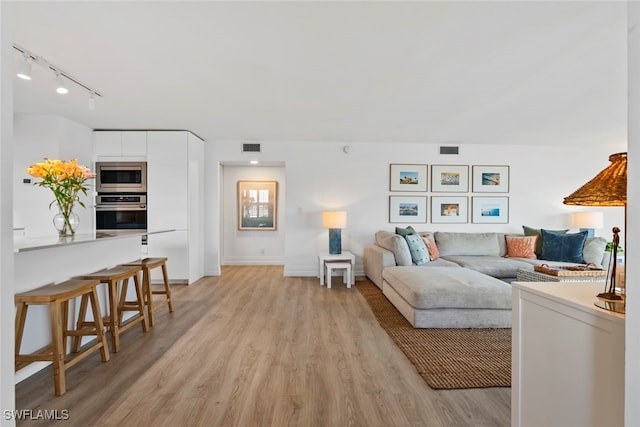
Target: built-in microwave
point(121, 177)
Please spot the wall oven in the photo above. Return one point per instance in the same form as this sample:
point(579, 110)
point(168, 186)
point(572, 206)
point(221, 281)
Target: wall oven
point(121, 177)
point(121, 212)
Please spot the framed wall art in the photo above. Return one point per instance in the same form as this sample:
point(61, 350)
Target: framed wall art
point(490, 210)
point(449, 178)
point(490, 179)
point(449, 210)
point(409, 209)
point(407, 177)
point(257, 205)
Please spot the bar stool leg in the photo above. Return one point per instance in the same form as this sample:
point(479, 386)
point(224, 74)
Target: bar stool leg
point(167, 287)
point(113, 316)
point(140, 298)
point(57, 349)
point(97, 317)
point(21, 317)
point(146, 282)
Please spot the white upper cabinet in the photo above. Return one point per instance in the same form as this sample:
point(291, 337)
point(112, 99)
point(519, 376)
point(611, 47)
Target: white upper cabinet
point(120, 144)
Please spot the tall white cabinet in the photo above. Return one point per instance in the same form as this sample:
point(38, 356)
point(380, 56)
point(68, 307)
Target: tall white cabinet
point(175, 193)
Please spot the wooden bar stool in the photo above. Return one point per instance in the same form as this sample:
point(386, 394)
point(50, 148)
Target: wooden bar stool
point(147, 264)
point(57, 297)
point(118, 305)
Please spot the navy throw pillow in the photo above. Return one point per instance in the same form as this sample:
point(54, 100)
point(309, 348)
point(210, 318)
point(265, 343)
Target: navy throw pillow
point(563, 247)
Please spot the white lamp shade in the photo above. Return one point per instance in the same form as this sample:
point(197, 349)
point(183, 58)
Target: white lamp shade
point(334, 219)
point(593, 220)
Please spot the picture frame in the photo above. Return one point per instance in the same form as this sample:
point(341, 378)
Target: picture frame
point(490, 210)
point(449, 209)
point(490, 179)
point(407, 177)
point(408, 209)
point(257, 205)
point(450, 178)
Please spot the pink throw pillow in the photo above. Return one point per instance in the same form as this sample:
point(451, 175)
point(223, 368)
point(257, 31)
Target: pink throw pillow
point(521, 246)
point(434, 253)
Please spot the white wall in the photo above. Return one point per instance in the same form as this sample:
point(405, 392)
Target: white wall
point(321, 176)
point(251, 247)
point(632, 338)
point(37, 137)
point(7, 308)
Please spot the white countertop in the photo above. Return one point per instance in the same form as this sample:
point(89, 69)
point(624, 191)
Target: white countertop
point(23, 244)
point(579, 295)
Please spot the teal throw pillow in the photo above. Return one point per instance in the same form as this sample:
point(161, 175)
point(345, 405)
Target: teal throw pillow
point(530, 231)
point(405, 231)
point(418, 249)
point(563, 247)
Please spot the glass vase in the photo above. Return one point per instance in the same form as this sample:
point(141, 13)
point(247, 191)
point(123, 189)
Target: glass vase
point(66, 224)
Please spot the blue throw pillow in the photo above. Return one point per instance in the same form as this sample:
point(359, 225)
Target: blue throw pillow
point(563, 247)
point(418, 249)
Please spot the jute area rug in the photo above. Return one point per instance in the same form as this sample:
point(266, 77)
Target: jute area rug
point(446, 358)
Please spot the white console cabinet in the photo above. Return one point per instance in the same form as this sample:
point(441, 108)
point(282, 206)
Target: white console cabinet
point(175, 193)
point(568, 357)
point(112, 145)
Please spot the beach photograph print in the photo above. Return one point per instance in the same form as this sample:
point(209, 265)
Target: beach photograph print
point(408, 209)
point(407, 177)
point(490, 179)
point(449, 210)
point(450, 178)
point(490, 210)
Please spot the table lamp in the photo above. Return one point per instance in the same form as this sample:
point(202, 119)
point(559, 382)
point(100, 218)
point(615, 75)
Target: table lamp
point(587, 221)
point(335, 221)
point(608, 188)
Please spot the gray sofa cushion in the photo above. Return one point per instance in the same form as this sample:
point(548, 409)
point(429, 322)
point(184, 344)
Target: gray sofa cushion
point(451, 243)
point(493, 266)
point(396, 244)
point(442, 287)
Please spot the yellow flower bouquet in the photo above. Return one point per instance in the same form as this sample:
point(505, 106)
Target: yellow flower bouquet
point(66, 180)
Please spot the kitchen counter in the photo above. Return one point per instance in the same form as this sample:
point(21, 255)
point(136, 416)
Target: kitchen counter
point(23, 244)
point(48, 259)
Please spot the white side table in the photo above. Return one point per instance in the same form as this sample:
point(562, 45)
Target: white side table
point(325, 257)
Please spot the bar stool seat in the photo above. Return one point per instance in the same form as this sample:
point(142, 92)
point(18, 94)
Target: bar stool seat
point(147, 264)
point(57, 297)
point(119, 305)
point(346, 277)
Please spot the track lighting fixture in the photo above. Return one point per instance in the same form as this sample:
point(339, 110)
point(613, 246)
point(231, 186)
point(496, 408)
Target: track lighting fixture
point(62, 77)
point(61, 88)
point(24, 69)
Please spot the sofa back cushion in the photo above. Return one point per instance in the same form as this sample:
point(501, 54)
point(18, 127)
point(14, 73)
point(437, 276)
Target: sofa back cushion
point(451, 243)
point(396, 244)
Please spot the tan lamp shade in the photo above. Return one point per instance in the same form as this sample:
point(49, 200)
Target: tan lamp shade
point(587, 220)
point(334, 219)
point(608, 188)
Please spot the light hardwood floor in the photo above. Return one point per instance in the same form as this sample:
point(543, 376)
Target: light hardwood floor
point(254, 348)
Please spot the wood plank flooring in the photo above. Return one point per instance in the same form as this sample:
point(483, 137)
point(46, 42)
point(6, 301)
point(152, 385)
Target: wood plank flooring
point(254, 348)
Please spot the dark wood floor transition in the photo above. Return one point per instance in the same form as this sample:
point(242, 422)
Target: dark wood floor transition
point(254, 348)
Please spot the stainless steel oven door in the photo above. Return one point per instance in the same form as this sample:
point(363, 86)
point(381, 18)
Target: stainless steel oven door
point(114, 217)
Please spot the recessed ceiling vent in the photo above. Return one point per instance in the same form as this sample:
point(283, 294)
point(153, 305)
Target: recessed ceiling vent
point(250, 148)
point(449, 149)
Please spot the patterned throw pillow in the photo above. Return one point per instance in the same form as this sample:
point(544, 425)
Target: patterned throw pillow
point(434, 253)
point(521, 246)
point(419, 252)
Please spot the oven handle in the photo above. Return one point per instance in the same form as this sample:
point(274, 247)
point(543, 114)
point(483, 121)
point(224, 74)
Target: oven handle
point(120, 208)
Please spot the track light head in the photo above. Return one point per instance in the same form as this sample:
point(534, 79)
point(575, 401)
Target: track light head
point(92, 102)
point(61, 88)
point(24, 69)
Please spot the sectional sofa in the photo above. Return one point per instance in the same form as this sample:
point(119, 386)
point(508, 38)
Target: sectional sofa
point(464, 281)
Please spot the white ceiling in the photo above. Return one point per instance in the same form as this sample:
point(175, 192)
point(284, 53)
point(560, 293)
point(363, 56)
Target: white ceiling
point(436, 72)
